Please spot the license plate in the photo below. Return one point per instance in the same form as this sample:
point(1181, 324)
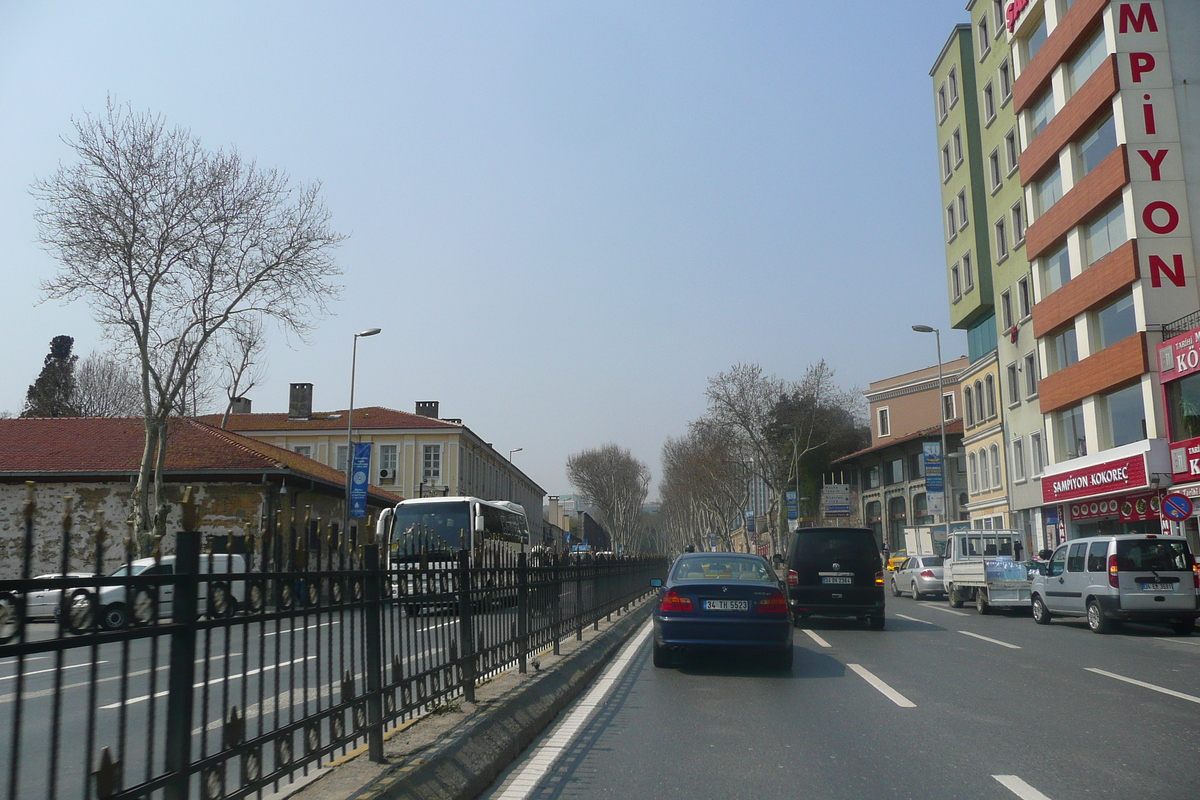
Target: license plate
point(1158, 587)
point(727, 605)
point(838, 579)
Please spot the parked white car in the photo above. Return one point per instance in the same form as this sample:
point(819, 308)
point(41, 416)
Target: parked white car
point(44, 603)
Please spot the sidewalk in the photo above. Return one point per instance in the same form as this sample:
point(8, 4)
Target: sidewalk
point(455, 751)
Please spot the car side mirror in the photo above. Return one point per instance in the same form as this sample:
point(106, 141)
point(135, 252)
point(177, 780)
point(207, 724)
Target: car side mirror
point(656, 583)
point(479, 524)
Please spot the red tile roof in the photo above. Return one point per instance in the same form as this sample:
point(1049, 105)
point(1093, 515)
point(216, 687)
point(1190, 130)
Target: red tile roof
point(953, 426)
point(368, 418)
point(107, 446)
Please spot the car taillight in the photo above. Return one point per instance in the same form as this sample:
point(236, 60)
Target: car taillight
point(1113, 577)
point(1196, 575)
point(793, 579)
point(927, 573)
point(672, 601)
point(879, 579)
point(775, 604)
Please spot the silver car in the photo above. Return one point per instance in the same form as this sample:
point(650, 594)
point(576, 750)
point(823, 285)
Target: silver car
point(44, 603)
point(918, 576)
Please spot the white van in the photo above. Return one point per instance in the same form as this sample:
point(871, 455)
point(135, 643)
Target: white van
point(1136, 577)
point(118, 607)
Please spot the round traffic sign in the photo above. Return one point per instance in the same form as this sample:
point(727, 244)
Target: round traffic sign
point(1176, 507)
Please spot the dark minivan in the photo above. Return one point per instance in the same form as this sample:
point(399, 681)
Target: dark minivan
point(835, 572)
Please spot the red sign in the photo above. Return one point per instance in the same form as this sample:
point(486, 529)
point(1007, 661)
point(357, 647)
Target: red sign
point(1013, 13)
point(1112, 476)
point(1185, 460)
point(1179, 356)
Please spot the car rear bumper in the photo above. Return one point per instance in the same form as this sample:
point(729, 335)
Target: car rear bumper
point(838, 609)
point(1112, 610)
point(719, 634)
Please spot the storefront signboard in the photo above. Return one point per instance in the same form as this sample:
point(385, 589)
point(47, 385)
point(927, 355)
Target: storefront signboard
point(1179, 355)
point(1109, 477)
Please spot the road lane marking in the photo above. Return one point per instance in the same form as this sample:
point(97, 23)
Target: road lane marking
point(543, 759)
point(948, 611)
point(52, 669)
point(884, 689)
point(913, 619)
point(1145, 685)
point(1020, 788)
point(211, 682)
point(301, 630)
point(993, 641)
point(1177, 640)
point(816, 638)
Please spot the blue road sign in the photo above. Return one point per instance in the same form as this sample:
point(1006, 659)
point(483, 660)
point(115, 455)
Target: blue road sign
point(1176, 507)
point(360, 468)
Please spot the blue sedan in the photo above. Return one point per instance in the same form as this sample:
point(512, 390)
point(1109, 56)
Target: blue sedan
point(722, 601)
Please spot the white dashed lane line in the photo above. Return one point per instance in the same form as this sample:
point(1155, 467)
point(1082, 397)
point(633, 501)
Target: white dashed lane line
point(1144, 685)
point(816, 638)
point(883, 688)
point(1020, 788)
point(913, 619)
point(948, 611)
point(989, 639)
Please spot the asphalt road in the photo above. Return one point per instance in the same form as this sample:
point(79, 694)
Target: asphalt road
point(942, 704)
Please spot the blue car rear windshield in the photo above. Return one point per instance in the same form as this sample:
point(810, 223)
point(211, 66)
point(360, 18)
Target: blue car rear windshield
point(719, 567)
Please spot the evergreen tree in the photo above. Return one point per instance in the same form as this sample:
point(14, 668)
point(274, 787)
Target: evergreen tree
point(50, 395)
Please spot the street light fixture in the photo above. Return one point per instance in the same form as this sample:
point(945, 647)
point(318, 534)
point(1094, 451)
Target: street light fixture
point(514, 450)
point(350, 433)
point(942, 422)
point(510, 476)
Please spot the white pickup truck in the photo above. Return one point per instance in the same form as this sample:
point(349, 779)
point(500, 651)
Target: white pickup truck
point(980, 566)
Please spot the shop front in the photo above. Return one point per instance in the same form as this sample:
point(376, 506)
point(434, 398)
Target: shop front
point(1115, 491)
point(1179, 370)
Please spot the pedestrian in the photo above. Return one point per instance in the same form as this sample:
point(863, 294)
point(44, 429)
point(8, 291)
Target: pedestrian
point(1017, 549)
point(887, 551)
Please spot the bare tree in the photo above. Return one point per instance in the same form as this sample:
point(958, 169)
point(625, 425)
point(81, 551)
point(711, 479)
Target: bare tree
point(616, 484)
point(169, 243)
point(241, 363)
point(106, 385)
point(705, 484)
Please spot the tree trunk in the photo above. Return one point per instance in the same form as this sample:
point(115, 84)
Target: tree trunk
point(142, 518)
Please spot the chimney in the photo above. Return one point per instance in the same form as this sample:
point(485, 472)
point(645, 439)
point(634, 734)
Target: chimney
point(427, 408)
point(239, 405)
point(553, 515)
point(300, 402)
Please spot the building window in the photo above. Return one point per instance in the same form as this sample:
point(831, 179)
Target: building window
point(985, 472)
point(995, 172)
point(968, 405)
point(1024, 298)
point(1056, 270)
point(998, 16)
point(389, 463)
point(1005, 81)
point(1069, 438)
point(916, 465)
point(1014, 385)
point(968, 272)
point(1041, 113)
point(1031, 375)
point(303, 450)
point(1125, 414)
point(951, 223)
point(1047, 191)
point(1001, 240)
point(943, 107)
point(973, 473)
point(1087, 60)
point(990, 386)
point(955, 284)
point(947, 166)
point(1106, 233)
point(985, 38)
point(1006, 311)
point(980, 414)
point(431, 470)
point(997, 475)
point(956, 140)
point(948, 407)
point(1114, 322)
point(1183, 406)
point(952, 82)
point(1035, 40)
point(894, 471)
point(1018, 460)
point(885, 427)
point(1037, 452)
point(1096, 145)
point(1062, 348)
point(340, 462)
point(1018, 222)
point(963, 217)
point(989, 103)
point(873, 477)
point(1011, 151)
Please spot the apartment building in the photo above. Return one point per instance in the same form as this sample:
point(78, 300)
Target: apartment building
point(1110, 137)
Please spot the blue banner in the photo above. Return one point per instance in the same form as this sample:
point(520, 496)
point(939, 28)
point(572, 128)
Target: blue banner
point(793, 506)
point(360, 469)
point(933, 467)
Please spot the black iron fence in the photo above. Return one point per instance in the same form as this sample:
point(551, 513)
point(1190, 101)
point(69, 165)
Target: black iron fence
point(233, 666)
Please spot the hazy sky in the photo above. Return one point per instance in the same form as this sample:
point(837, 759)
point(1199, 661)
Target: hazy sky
point(564, 216)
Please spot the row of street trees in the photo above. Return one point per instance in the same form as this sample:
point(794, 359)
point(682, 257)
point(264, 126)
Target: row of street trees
point(757, 428)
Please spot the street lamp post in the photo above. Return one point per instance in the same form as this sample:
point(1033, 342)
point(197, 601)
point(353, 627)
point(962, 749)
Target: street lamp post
point(942, 422)
point(510, 476)
point(350, 433)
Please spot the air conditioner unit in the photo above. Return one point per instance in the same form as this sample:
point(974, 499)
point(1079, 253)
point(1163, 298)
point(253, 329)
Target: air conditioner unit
point(385, 473)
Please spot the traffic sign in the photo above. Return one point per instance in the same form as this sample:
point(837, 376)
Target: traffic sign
point(1176, 507)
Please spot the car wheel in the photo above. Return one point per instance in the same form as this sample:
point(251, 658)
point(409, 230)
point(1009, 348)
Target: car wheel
point(916, 593)
point(1097, 622)
point(10, 622)
point(660, 655)
point(114, 617)
point(877, 622)
point(956, 600)
point(256, 596)
point(981, 602)
point(1041, 614)
point(220, 601)
point(144, 607)
point(895, 589)
point(1183, 627)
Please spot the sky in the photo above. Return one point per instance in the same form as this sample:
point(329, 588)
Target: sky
point(565, 217)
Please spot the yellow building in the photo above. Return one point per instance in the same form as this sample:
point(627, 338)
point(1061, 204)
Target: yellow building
point(983, 442)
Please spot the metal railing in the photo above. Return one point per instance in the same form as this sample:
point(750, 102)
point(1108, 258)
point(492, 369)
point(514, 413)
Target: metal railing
point(230, 673)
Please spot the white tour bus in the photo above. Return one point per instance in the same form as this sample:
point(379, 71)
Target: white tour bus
point(438, 527)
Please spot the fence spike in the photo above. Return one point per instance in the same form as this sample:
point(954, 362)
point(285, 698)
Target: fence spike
point(235, 728)
point(107, 775)
point(29, 504)
point(188, 509)
point(68, 507)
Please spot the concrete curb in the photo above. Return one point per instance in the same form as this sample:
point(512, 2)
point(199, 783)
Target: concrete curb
point(464, 761)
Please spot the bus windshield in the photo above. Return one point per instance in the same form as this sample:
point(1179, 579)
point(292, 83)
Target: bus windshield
point(438, 528)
